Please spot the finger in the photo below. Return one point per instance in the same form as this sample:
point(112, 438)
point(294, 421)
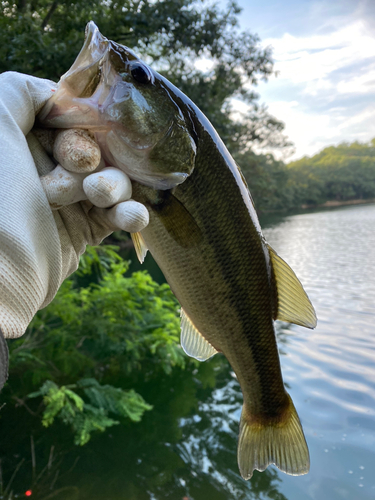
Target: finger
point(128, 216)
point(76, 151)
point(107, 187)
point(46, 137)
point(63, 188)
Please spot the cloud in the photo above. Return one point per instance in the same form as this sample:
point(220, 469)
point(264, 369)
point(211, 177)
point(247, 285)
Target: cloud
point(363, 83)
point(316, 58)
point(325, 90)
point(311, 132)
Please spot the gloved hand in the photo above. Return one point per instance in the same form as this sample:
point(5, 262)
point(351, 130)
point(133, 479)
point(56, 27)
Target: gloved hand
point(40, 247)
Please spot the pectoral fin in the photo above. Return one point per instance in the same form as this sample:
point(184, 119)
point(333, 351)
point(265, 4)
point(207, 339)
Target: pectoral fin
point(192, 342)
point(177, 220)
point(139, 246)
point(294, 306)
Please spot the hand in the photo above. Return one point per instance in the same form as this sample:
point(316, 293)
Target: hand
point(40, 247)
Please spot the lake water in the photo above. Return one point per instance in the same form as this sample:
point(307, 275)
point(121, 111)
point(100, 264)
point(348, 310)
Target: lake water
point(185, 449)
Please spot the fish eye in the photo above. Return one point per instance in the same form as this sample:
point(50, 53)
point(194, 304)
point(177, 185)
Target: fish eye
point(140, 73)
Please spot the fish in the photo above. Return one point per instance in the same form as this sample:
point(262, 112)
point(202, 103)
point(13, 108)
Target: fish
point(203, 233)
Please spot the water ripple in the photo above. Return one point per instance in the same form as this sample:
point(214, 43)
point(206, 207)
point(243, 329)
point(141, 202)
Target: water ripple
point(331, 371)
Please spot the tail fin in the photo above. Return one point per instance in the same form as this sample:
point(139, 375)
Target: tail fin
point(282, 444)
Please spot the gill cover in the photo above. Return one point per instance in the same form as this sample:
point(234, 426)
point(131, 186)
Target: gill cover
point(131, 110)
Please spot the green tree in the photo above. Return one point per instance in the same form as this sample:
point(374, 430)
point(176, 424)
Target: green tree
point(267, 179)
point(78, 350)
point(338, 173)
point(43, 38)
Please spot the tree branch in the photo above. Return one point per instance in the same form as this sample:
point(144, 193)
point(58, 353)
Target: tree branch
point(49, 13)
point(21, 402)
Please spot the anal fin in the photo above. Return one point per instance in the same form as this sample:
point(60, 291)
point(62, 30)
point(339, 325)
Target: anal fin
point(139, 246)
point(293, 305)
point(193, 342)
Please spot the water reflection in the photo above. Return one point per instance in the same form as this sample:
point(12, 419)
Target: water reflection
point(209, 448)
point(332, 370)
point(186, 447)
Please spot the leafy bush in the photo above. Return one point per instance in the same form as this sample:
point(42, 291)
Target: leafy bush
point(102, 327)
point(85, 417)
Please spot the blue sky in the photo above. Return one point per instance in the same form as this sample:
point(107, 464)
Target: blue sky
point(325, 55)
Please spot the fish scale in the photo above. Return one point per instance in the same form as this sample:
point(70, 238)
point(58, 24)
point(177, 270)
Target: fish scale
point(235, 304)
point(224, 286)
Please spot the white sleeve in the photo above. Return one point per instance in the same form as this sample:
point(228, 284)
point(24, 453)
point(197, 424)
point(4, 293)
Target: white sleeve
point(30, 250)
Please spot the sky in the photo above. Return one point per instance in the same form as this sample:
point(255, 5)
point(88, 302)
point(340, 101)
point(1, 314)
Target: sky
point(324, 53)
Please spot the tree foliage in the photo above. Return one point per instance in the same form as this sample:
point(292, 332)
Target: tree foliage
point(43, 38)
point(336, 174)
point(91, 415)
point(267, 179)
point(102, 327)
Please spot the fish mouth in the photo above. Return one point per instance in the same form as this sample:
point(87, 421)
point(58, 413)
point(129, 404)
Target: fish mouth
point(97, 55)
point(79, 100)
point(84, 75)
point(78, 83)
point(95, 94)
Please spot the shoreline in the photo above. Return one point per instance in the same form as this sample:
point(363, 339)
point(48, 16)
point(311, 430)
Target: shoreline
point(305, 208)
point(335, 203)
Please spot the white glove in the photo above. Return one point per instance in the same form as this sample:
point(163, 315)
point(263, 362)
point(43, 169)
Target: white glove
point(39, 247)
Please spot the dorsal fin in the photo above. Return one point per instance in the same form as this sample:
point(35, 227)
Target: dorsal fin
point(193, 342)
point(139, 246)
point(293, 306)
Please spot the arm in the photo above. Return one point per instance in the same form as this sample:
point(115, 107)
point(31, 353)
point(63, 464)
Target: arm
point(40, 247)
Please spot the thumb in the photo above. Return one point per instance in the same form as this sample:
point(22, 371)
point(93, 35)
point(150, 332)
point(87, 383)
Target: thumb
point(23, 96)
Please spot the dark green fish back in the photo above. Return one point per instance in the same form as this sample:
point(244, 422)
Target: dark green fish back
point(215, 259)
point(206, 238)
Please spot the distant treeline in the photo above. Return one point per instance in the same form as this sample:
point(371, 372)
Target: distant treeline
point(338, 173)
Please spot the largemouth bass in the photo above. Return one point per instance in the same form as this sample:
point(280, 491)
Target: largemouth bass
point(203, 233)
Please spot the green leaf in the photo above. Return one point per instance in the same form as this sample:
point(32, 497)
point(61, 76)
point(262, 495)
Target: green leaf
point(115, 400)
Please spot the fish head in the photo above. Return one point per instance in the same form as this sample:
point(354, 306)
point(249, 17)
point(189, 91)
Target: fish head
point(133, 112)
